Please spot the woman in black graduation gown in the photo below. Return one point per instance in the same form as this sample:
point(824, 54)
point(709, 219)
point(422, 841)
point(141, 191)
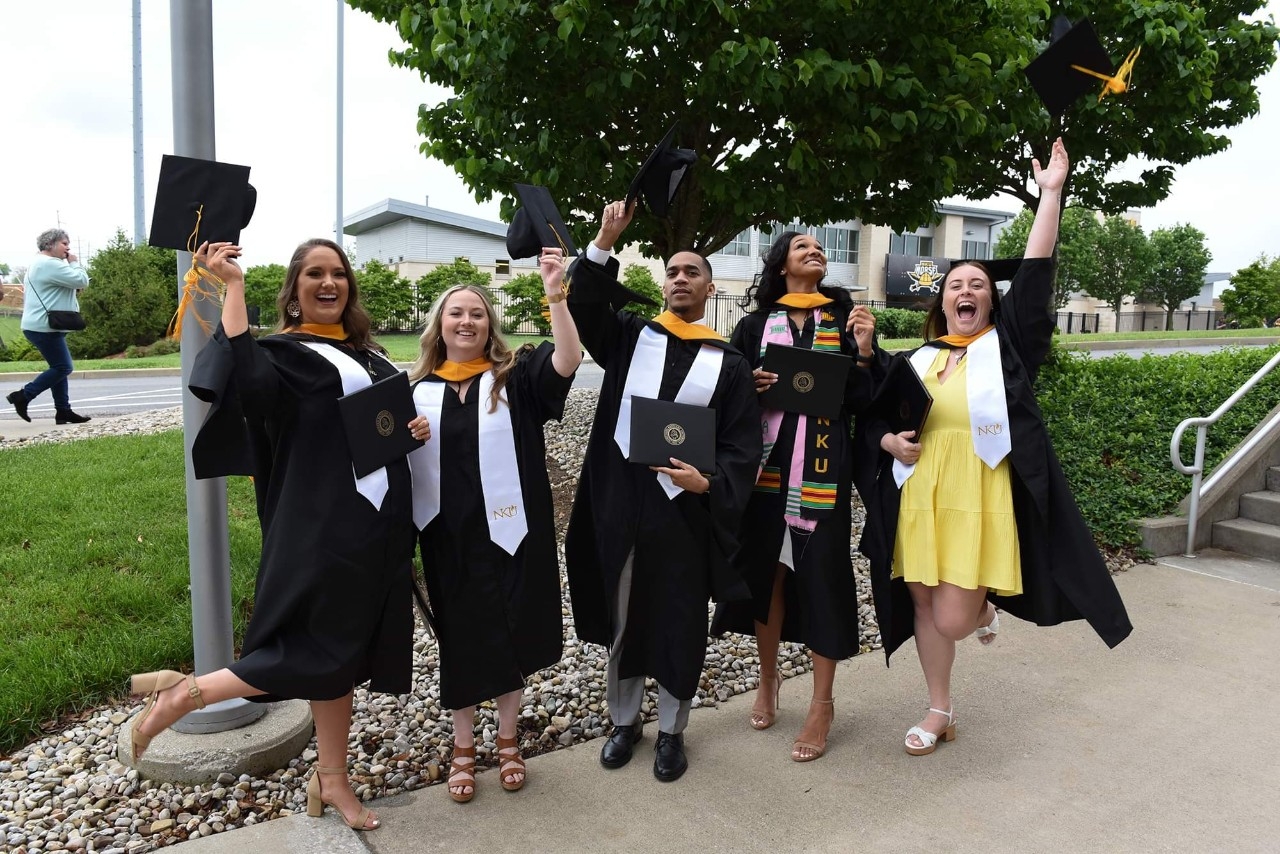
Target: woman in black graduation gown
point(976, 512)
point(332, 605)
point(795, 552)
point(482, 500)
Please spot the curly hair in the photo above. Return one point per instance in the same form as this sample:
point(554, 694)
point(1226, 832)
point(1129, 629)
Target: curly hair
point(770, 283)
point(47, 238)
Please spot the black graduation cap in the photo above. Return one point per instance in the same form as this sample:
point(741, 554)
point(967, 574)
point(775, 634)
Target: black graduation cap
point(1001, 269)
point(1051, 73)
point(660, 176)
point(537, 223)
point(213, 200)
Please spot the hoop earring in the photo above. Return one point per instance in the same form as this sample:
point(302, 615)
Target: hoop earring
point(293, 309)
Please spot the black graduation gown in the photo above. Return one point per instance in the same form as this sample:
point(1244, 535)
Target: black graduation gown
point(497, 616)
point(683, 545)
point(332, 601)
point(1063, 575)
point(821, 595)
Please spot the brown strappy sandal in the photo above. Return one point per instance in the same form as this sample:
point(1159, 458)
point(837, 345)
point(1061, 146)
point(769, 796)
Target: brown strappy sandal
point(512, 763)
point(316, 802)
point(152, 684)
point(819, 745)
point(462, 773)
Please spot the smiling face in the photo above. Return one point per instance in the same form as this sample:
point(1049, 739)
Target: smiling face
point(322, 287)
point(464, 326)
point(966, 300)
point(805, 263)
point(687, 286)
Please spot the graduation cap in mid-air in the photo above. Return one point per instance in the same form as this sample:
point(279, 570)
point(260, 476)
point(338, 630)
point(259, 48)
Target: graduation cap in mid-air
point(199, 200)
point(1000, 269)
point(537, 223)
point(661, 174)
point(1073, 64)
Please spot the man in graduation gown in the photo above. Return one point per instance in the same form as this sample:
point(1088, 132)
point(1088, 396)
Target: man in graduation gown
point(647, 547)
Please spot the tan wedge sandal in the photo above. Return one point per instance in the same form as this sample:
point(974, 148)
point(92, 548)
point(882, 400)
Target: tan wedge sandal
point(511, 763)
point(462, 773)
point(316, 801)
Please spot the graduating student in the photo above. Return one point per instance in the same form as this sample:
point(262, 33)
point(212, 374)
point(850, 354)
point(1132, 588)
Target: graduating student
point(482, 500)
point(975, 512)
point(795, 536)
point(647, 547)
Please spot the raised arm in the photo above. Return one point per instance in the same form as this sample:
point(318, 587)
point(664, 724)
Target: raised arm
point(594, 285)
point(564, 332)
point(1050, 179)
point(220, 259)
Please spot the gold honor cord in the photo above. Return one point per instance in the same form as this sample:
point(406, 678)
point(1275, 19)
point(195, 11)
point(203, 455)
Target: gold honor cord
point(1120, 82)
point(564, 283)
point(198, 283)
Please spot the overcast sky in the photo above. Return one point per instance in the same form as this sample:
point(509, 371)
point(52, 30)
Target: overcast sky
point(67, 130)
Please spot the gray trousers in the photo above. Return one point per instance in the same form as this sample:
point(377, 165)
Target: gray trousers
point(625, 695)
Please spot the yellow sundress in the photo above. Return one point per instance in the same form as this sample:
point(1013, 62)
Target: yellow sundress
point(956, 521)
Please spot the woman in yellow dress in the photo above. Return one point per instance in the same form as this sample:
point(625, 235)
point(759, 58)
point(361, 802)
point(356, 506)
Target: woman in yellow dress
point(977, 505)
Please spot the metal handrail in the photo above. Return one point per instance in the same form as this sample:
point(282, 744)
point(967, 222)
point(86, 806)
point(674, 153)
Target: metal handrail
point(1202, 425)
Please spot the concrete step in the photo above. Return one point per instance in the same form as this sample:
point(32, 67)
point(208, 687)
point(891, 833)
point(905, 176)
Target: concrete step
point(1261, 507)
point(1248, 537)
point(1273, 478)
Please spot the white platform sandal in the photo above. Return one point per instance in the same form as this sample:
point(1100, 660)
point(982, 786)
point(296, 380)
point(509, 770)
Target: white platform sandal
point(986, 634)
point(928, 740)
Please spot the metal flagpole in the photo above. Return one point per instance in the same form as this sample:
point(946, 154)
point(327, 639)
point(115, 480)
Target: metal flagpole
point(139, 214)
point(191, 42)
point(337, 223)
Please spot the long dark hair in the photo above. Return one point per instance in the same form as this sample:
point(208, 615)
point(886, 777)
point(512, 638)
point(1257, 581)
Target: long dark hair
point(770, 283)
point(355, 320)
point(935, 322)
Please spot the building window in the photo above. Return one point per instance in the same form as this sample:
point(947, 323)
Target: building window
point(975, 250)
point(740, 245)
point(840, 244)
point(910, 244)
point(502, 266)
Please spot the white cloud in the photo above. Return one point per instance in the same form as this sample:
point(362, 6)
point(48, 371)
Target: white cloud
point(68, 148)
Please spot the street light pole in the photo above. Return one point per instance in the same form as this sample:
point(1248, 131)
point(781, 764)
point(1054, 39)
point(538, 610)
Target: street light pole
point(337, 222)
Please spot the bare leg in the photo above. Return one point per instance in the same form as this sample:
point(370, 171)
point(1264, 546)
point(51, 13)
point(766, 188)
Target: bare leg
point(937, 655)
point(508, 718)
point(821, 711)
point(464, 724)
point(175, 702)
point(333, 731)
point(768, 636)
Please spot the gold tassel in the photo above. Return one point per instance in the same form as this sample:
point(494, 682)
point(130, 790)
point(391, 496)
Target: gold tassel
point(194, 287)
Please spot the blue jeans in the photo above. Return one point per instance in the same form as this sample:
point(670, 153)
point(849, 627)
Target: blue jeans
point(53, 347)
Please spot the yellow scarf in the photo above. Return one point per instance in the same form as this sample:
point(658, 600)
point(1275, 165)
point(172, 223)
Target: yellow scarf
point(686, 331)
point(804, 301)
point(457, 372)
point(323, 330)
point(964, 340)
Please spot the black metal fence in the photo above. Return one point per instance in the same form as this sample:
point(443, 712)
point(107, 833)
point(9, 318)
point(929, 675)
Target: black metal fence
point(1158, 321)
point(1071, 322)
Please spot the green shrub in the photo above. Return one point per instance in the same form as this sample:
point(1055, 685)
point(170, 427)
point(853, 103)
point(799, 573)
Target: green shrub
point(639, 280)
point(526, 294)
point(19, 350)
point(899, 322)
point(132, 296)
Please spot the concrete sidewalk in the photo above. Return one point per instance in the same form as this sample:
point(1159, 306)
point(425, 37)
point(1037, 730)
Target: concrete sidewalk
point(1163, 744)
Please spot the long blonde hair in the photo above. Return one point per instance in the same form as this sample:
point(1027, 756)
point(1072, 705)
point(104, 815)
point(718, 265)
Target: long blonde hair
point(432, 352)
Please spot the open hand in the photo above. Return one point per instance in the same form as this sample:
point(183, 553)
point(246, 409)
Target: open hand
point(1053, 176)
point(220, 259)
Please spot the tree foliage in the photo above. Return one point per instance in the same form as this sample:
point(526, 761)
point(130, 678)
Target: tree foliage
point(638, 279)
point(461, 272)
point(820, 111)
point(1078, 237)
point(1254, 295)
point(1123, 258)
point(1179, 260)
point(387, 297)
point(132, 296)
point(525, 304)
point(262, 285)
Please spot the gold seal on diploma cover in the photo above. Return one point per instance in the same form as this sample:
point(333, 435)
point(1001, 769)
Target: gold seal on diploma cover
point(802, 382)
point(385, 423)
point(674, 434)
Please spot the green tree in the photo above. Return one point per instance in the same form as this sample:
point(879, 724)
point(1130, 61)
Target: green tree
point(131, 298)
point(1215, 50)
point(639, 279)
point(811, 111)
point(525, 304)
point(1179, 260)
point(460, 272)
point(4, 271)
point(1254, 295)
point(1077, 249)
point(262, 285)
point(387, 296)
point(1123, 257)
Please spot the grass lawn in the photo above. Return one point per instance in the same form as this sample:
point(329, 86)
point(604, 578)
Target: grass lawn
point(93, 564)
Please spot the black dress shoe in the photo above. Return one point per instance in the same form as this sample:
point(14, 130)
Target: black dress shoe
point(620, 745)
point(66, 416)
point(19, 401)
point(669, 761)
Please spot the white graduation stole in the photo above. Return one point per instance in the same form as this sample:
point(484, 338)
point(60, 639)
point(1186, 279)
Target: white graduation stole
point(499, 472)
point(644, 379)
point(354, 376)
point(988, 407)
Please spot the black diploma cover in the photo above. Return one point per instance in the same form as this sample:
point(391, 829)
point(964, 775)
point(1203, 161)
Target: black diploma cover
point(810, 382)
point(662, 429)
point(376, 419)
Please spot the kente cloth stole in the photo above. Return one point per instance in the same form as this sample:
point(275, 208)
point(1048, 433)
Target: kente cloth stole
point(499, 472)
point(355, 376)
point(988, 407)
point(806, 494)
point(644, 379)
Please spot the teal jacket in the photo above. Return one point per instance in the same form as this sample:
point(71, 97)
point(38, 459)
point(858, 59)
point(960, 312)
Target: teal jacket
point(55, 282)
